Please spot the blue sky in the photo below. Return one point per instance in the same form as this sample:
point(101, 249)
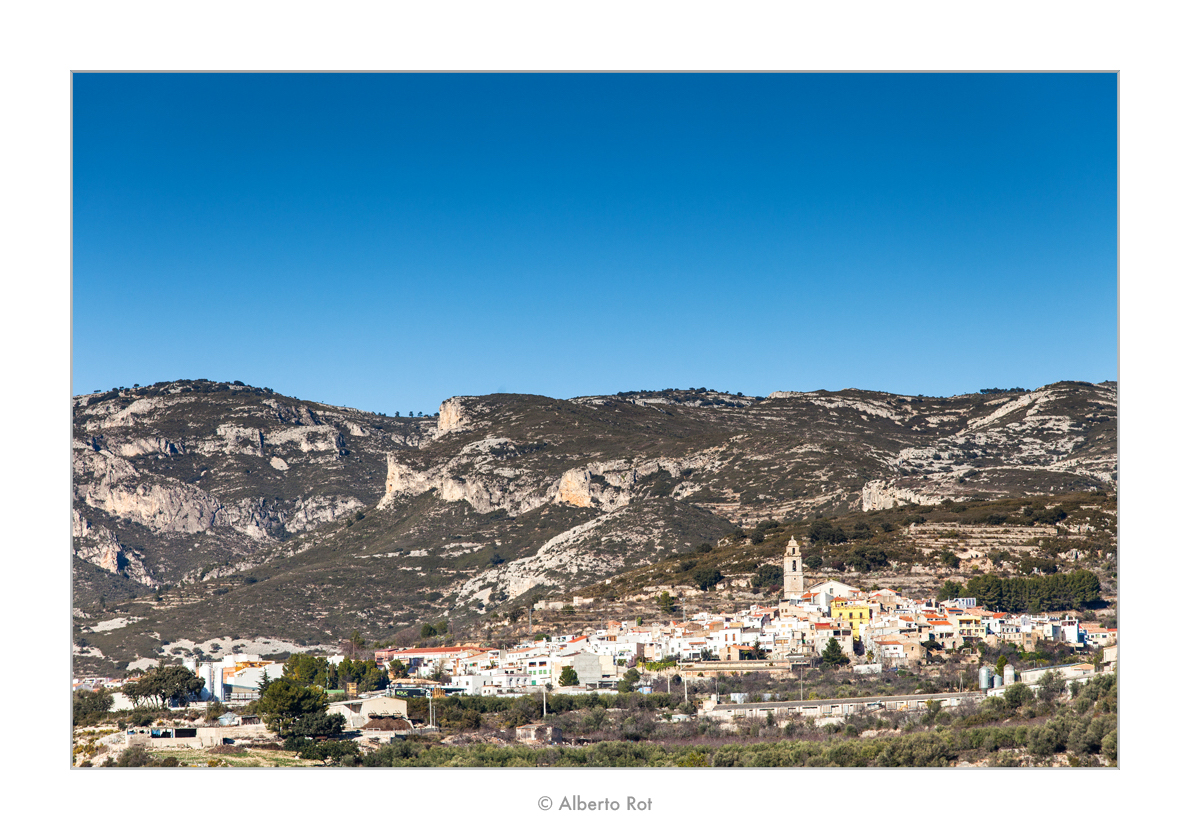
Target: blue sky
point(388, 241)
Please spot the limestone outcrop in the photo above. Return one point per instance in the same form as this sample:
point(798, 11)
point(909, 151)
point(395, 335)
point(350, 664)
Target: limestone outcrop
point(453, 416)
point(217, 463)
point(475, 477)
point(481, 485)
point(98, 546)
point(882, 495)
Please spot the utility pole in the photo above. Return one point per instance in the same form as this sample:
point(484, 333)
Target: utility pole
point(543, 701)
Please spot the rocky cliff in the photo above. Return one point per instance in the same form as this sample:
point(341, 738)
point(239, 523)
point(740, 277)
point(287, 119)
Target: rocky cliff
point(179, 476)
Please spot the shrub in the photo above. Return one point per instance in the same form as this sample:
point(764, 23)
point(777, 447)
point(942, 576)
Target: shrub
point(135, 756)
point(329, 752)
point(1017, 695)
point(90, 707)
point(1047, 739)
point(1109, 745)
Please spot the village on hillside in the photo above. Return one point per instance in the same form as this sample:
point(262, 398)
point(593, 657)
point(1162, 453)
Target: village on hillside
point(827, 624)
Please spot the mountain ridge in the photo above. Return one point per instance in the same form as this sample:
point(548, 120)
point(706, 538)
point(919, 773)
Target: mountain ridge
point(498, 497)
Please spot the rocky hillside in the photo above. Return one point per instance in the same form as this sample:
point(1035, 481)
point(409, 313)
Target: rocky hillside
point(357, 519)
point(179, 477)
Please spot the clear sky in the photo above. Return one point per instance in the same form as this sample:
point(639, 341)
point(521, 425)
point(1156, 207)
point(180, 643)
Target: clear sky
point(388, 241)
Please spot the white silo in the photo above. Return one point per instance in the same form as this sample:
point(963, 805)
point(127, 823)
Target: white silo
point(1009, 675)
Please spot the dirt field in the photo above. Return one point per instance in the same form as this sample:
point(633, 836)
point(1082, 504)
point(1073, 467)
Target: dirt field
point(248, 758)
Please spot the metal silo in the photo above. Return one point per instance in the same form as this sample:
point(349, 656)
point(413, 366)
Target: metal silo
point(1009, 675)
point(997, 681)
point(985, 678)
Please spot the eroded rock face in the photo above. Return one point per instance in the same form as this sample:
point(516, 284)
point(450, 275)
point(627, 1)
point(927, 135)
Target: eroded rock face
point(882, 495)
point(452, 416)
point(605, 485)
point(98, 546)
point(484, 490)
point(1029, 434)
point(575, 488)
point(223, 472)
point(118, 488)
point(306, 438)
point(317, 510)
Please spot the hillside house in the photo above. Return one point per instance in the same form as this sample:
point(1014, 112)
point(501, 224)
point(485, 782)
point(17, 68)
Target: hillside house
point(1096, 635)
point(823, 593)
point(857, 613)
point(894, 651)
point(539, 733)
point(358, 712)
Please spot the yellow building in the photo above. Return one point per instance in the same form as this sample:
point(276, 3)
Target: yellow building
point(969, 626)
point(858, 613)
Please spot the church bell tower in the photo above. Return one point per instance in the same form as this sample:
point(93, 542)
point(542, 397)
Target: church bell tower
point(795, 578)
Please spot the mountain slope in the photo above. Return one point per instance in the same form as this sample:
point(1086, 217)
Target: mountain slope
point(268, 514)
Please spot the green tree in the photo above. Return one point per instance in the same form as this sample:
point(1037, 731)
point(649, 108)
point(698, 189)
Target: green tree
point(832, 654)
point(1084, 588)
point(1000, 663)
point(89, 707)
point(628, 682)
point(356, 644)
point(1049, 687)
point(665, 603)
point(331, 752)
point(707, 578)
point(165, 684)
point(284, 702)
point(1051, 516)
point(1017, 695)
point(215, 710)
point(569, 676)
point(135, 756)
point(822, 531)
point(304, 669)
point(319, 725)
point(768, 575)
point(363, 672)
